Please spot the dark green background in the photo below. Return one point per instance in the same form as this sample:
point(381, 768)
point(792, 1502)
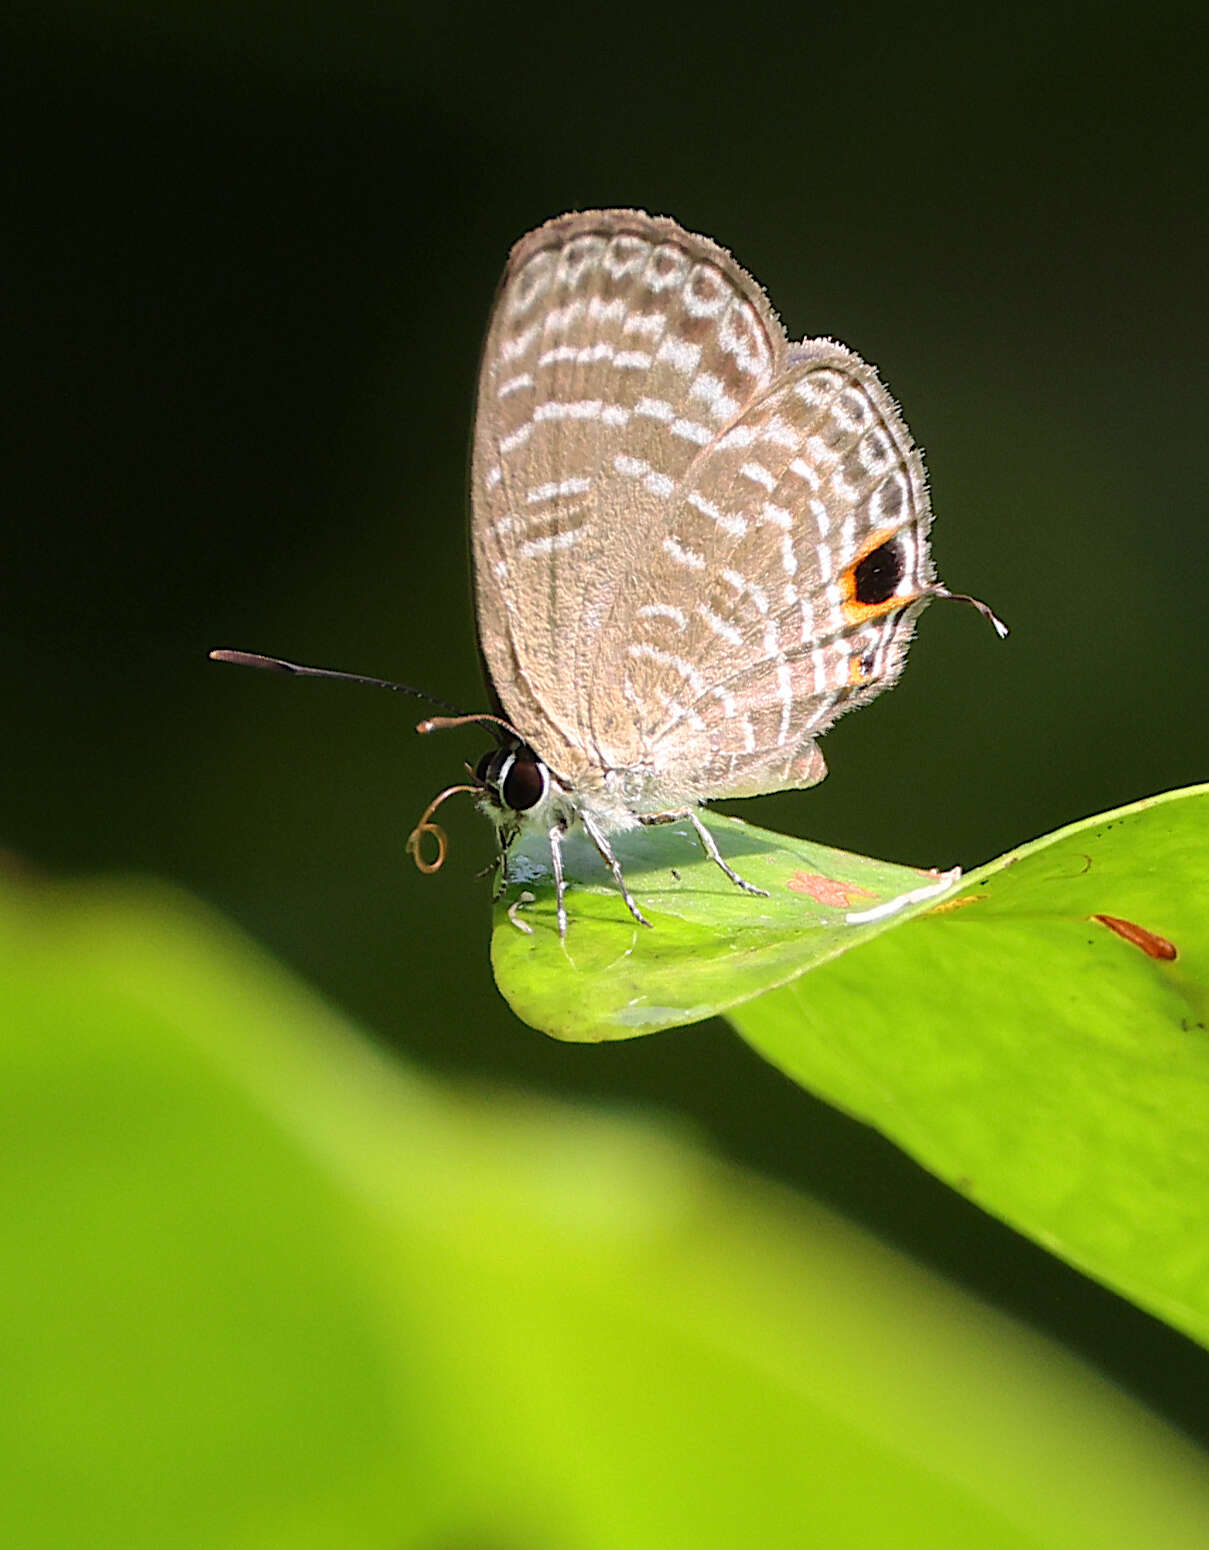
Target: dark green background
point(248, 253)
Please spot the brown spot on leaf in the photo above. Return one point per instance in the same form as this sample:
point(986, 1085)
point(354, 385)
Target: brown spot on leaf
point(957, 904)
point(827, 890)
point(1153, 945)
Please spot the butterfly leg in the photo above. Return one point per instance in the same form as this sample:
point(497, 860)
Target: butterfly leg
point(501, 887)
point(500, 868)
point(707, 841)
point(499, 865)
point(610, 860)
point(560, 882)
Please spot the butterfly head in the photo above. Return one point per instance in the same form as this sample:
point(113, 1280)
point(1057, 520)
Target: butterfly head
point(512, 779)
point(512, 784)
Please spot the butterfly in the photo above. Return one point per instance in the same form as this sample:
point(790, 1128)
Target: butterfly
point(695, 543)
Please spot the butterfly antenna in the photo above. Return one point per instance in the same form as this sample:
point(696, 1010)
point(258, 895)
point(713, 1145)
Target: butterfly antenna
point(277, 665)
point(478, 718)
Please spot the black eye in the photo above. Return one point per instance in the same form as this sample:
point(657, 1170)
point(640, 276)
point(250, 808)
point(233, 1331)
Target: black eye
point(524, 781)
point(487, 769)
point(877, 577)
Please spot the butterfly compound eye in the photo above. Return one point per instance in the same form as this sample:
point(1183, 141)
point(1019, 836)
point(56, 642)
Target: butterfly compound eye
point(524, 781)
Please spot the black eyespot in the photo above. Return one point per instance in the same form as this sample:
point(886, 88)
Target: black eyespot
point(877, 577)
point(524, 781)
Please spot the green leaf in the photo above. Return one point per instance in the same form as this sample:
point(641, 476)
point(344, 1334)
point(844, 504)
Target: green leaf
point(711, 946)
point(1042, 1063)
point(1026, 1036)
point(263, 1289)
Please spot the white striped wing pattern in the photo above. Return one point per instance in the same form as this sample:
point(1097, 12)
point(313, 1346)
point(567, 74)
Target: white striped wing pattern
point(695, 543)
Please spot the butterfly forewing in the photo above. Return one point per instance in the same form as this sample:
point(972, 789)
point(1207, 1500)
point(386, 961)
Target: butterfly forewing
point(620, 346)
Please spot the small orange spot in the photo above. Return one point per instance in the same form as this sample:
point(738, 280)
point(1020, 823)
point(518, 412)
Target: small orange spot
point(863, 613)
point(1153, 945)
point(957, 904)
point(827, 890)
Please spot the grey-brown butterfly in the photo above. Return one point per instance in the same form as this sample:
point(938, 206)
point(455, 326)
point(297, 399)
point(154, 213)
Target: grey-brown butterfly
point(695, 543)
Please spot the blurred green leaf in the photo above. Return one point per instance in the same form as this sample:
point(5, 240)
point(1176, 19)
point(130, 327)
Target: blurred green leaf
point(261, 1287)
